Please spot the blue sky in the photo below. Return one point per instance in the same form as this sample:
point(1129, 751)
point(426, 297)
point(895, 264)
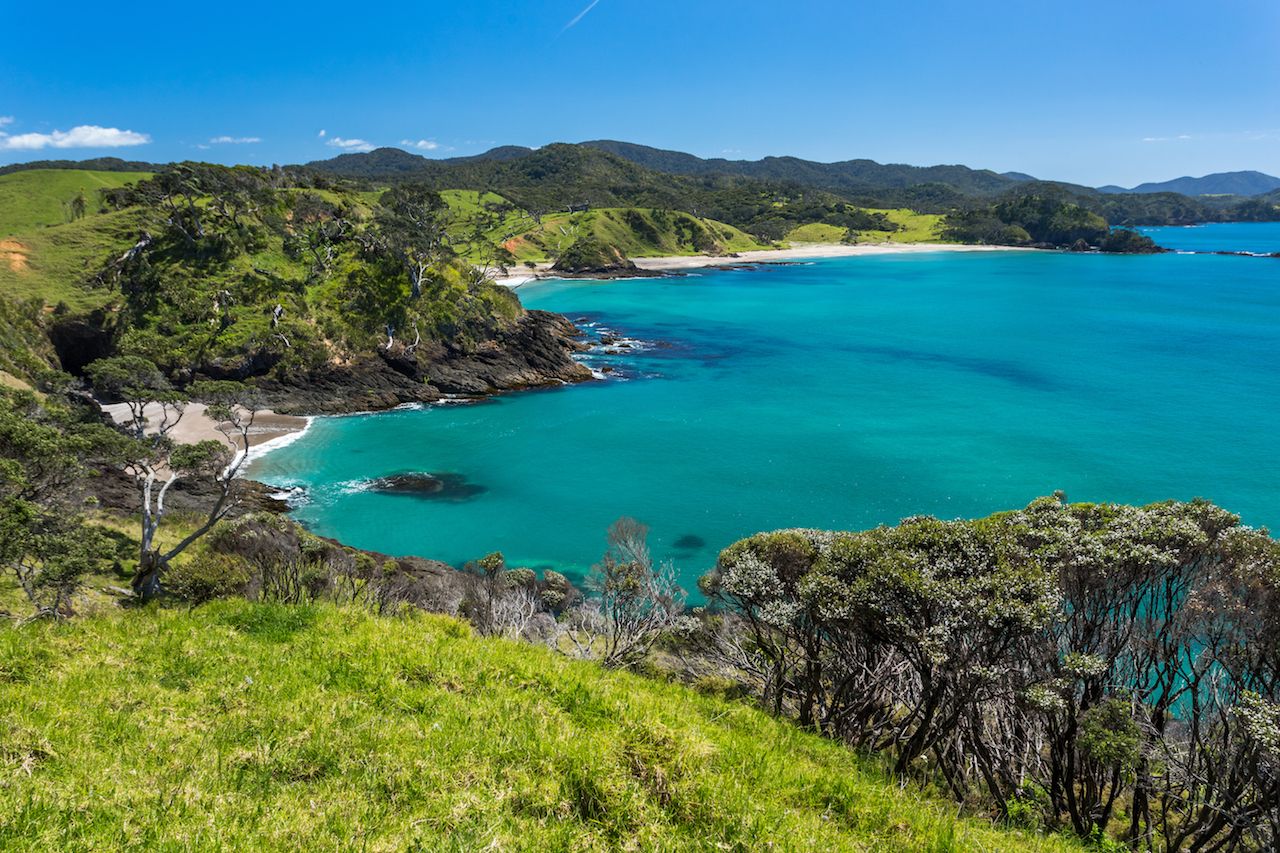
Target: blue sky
point(1092, 92)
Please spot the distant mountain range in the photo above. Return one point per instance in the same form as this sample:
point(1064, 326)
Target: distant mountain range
point(1219, 183)
point(848, 176)
point(771, 195)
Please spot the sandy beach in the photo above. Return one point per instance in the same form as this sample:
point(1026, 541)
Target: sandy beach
point(269, 428)
point(802, 252)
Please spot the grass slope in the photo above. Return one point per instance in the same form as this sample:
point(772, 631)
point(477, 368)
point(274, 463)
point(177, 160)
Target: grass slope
point(638, 232)
point(254, 726)
point(55, 264)
point(913, 228)
point(35, 198)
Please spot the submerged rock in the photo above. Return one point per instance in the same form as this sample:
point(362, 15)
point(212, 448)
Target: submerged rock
point(447, 487)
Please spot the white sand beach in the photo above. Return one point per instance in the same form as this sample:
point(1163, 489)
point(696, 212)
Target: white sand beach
point(800, 252)
point(808, 251)
point(269, 428)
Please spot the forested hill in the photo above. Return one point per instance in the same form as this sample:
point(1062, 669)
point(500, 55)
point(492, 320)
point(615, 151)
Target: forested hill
point(1220, 183)
point(613, 174)
point(97, 164)
point(847, 175)
point(326, 297)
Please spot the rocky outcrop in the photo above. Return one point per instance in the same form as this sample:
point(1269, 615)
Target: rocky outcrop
point(117, 491)
point(534, 351)
point(588, 256)
point(537, 350)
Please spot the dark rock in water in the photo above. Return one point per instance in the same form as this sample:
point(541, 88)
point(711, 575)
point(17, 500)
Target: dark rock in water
point(445, 487)
point(689, 542)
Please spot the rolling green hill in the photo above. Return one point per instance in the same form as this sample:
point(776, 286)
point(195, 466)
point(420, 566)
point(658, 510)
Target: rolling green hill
point(38, 197)
point(612, 174)
point(256, 726)
point(913, 227)
point(637, 232)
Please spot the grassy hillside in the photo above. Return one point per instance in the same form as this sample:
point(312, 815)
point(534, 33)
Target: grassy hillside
point(913, 227)
point(36, 198)
point(53, 264)
point(638, 232)
point(209, 301)
point(253, 726)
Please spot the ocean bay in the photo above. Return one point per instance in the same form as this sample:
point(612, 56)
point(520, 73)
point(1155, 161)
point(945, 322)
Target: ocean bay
point(841, 393)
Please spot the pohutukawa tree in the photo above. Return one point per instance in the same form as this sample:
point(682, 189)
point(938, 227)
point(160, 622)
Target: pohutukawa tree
point(1104, 668)
point(156, 461)
point(412, 224)
point(43, 542)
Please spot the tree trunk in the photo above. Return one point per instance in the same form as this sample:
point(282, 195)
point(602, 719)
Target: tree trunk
point(146, 581)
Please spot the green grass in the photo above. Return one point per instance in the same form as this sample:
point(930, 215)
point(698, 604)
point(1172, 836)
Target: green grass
point(36, 198)
point(253, 726)
point(914, 228)
point(816, 232)
point(54, 264)
point(638, 232)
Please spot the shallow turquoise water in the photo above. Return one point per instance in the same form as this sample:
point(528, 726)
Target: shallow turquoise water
point(843, 393)
point(1257, 237)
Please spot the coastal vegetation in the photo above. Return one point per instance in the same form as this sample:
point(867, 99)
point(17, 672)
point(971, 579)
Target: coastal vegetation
point(1104, 674)
point(273, 727)
point(43, 197)
point(1108, 669)
point(302, 287)
point(1101, 670)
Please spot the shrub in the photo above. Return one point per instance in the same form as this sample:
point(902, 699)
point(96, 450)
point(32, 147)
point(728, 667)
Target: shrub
point(206, 577)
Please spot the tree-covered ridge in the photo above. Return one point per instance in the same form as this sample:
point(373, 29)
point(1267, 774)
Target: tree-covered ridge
point(302, 285)
point(615, 174)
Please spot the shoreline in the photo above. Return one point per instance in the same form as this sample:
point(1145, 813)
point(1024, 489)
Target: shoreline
point(800, 252)
point(270, 430)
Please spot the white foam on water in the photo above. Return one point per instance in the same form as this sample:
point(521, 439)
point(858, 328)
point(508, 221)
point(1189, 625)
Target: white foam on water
point(257, 451)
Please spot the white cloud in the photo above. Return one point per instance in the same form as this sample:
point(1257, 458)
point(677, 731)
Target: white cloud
point(6, 120)
point(1179, 138)
point(350, 144)
point(234, 140)
point(421, 144)
point(81, 136)
point(321, 133)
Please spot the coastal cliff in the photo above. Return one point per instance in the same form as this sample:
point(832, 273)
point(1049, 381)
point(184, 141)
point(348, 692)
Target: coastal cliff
point(536, 350)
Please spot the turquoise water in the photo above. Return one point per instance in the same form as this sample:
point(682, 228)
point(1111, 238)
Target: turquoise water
point(840, 394)
point(1256, 237)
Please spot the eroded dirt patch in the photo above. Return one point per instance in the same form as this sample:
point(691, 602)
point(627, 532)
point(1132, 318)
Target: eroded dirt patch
point(15, 254)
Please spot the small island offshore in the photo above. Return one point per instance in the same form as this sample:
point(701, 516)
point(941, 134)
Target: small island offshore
point(437, 494)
